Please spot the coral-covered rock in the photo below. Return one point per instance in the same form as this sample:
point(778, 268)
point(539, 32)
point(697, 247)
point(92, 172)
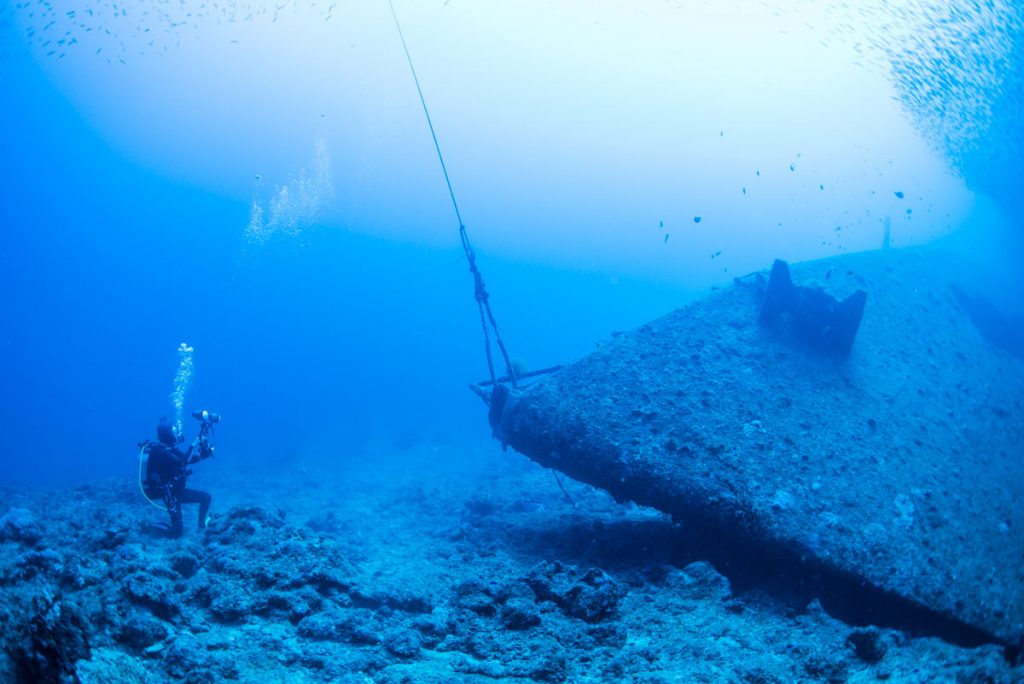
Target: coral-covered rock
point(185, 563)
point(230, 607)
point(594, 597)
point(403, 643)
point(261, 599)
point(590, 596)
point(187, 659)
point(20, 525)
point(113, 535)
point(140, 631)
point(699, 580)
point(112, 666)
point(431, 629)
point(519, 613)
point(335, 624)
point(476, 596)
point(295, 604)
point(49, 643)
point(405, 599)
point(867, 644)
point(35, 562)
point(153, 593)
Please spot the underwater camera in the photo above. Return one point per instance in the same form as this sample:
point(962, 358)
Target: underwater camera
point(201, 444)
point(206, 417)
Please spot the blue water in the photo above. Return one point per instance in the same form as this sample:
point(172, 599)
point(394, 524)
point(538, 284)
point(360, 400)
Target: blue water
point(123, 237)
point(107, 267)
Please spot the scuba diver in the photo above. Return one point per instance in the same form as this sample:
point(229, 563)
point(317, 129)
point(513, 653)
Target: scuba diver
point(163, 468)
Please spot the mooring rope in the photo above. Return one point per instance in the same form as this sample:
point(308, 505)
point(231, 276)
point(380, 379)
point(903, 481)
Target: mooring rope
point(479, 290)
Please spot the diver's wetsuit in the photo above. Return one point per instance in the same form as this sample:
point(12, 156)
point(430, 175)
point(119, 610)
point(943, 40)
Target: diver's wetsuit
point(165, 481)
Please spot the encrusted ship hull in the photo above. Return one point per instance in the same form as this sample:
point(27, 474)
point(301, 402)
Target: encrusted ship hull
point(898, 466)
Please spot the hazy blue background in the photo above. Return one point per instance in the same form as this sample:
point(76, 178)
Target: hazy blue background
point(260, 183)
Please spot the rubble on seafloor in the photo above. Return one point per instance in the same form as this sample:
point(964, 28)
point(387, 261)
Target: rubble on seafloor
point(488, 575)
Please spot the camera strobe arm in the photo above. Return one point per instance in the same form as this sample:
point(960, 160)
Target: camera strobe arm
point(201, 447)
